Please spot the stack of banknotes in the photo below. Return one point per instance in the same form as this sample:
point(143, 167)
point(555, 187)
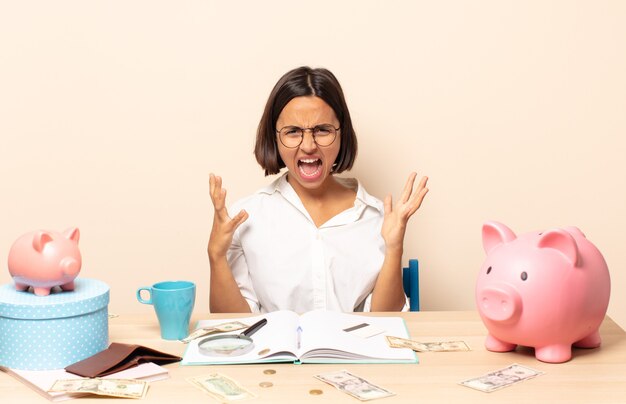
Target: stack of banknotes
point(124, 388)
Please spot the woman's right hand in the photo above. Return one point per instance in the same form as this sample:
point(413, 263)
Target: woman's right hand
point(223, 225)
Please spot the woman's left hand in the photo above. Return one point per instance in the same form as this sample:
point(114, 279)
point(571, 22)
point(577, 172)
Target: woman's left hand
point(397, 215)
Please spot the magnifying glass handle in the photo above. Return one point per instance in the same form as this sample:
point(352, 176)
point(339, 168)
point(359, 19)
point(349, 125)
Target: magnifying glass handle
point(254, 327)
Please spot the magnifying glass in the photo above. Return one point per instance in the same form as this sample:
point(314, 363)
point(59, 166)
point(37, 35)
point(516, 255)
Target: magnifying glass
point(231, 344)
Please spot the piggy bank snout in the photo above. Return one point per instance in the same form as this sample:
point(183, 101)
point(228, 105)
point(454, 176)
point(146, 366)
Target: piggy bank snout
point(70, 266)
point(500, 303)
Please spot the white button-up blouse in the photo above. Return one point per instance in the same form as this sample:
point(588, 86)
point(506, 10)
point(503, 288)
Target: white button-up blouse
point(282, 261)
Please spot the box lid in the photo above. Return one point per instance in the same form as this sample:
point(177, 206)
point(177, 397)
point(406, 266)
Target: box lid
point(89, 295)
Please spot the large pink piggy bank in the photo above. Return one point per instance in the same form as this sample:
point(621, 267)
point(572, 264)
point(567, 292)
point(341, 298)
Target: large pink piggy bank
point(44, 259)
point(546, 290)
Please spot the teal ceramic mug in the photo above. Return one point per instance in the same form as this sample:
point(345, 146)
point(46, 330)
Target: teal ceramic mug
point(173, 303)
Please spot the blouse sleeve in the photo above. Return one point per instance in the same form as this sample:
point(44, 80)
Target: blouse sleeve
point(367, 304)
point(237, 261)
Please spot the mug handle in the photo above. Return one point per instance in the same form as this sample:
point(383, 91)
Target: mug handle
point(142, 300)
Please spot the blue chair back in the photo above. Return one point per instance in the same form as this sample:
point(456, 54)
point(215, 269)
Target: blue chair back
point(411, 283)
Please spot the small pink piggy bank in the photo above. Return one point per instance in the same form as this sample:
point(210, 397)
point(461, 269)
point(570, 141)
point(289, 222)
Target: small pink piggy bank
point(546, 290)
point(44, 259)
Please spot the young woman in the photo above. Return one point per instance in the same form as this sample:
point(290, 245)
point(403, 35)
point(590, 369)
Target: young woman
point(310, 240)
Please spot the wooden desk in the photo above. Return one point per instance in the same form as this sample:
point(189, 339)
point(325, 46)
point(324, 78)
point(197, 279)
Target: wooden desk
point(592, 376)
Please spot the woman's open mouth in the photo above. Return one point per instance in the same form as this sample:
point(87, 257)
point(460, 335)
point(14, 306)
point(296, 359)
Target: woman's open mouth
point(310, 168)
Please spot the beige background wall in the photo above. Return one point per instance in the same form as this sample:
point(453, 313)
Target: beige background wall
point(113, 113)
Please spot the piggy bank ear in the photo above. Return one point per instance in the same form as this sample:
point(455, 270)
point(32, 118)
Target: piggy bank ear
point(561, 241)
point(40, 239)
point(574, 231)
point(72, 234)
point(494, 234)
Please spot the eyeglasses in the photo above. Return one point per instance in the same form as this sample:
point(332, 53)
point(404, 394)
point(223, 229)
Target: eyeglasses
point(323, 135)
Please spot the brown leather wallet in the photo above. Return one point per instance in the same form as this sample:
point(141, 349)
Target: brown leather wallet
point(119, 357)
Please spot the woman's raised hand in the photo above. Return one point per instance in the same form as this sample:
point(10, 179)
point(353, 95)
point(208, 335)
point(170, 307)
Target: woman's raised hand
point(223, 225)
point(397, 215)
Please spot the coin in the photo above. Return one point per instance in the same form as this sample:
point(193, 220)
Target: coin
point(263, 352)
point(269, 371)
point(266, 384)
point(315, 392)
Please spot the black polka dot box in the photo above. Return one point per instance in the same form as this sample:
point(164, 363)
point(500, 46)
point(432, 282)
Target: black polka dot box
point(54, 331)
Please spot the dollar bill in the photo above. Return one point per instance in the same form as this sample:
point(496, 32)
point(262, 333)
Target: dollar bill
point(501, 378)
point(221, 387)
point(354, 385)
point(214, 329)
point(126, 388)
point(443, 346)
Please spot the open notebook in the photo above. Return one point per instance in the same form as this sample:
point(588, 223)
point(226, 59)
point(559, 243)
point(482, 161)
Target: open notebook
point(314, 337)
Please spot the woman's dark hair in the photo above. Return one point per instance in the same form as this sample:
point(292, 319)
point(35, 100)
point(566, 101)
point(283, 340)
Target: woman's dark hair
point(304, 81)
